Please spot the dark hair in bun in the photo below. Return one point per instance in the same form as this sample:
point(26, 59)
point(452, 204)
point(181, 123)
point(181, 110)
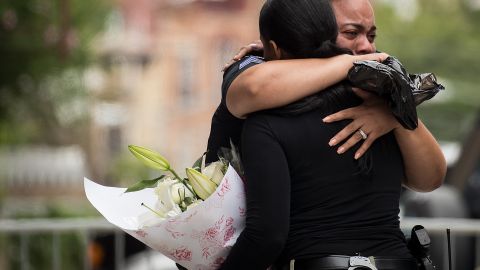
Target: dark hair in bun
point(302, 28)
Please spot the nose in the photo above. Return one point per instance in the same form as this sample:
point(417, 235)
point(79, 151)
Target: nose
point(364, 46)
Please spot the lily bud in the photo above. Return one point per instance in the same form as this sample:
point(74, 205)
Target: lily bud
point(201, 184)
point(150, 158)
point(214, 171)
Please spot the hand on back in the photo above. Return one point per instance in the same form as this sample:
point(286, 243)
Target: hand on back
point(373, 117)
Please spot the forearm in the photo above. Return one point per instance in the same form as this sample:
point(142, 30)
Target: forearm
point(268, 217)
point(425, 165)
point(277, 83)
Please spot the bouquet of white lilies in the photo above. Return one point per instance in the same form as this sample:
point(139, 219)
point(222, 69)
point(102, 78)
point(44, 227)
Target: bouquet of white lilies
point(192, 220)
point(176, 194)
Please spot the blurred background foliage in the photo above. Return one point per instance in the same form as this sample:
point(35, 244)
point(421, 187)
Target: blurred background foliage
point(440, 37)
point(45, 46)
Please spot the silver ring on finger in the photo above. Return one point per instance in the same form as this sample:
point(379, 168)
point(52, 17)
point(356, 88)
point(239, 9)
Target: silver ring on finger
point(363, 134)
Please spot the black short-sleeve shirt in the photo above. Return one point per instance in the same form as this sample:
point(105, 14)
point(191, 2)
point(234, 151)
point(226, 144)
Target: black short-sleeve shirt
point(225, 126)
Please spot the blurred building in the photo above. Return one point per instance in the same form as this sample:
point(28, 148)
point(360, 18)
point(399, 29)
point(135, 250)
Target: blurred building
point(158, 81)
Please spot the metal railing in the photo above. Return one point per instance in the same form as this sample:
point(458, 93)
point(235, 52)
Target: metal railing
point(88, 226)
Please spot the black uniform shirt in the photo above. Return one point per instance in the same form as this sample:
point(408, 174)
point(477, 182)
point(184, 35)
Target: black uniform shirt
point(304, 200)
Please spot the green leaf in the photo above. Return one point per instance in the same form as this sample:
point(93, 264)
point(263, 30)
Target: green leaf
point(198, 162)
point(144, 184)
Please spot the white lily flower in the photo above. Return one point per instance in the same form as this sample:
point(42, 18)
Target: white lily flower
point(214, 171)
point(166, 203)
point(180, 192)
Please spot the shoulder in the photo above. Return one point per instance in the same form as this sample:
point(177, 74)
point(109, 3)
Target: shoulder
point(240, 66)
point(244, 63)
point(250, 60)
point(236, 69)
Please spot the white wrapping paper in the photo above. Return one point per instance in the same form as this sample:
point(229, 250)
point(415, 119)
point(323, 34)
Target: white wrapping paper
point(199, 238)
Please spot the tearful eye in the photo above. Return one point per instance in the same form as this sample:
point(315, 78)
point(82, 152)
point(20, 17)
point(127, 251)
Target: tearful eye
point(351, 34)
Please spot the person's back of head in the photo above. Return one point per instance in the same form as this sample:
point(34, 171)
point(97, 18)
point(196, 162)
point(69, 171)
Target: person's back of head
point(308, 29)
point(300, 28)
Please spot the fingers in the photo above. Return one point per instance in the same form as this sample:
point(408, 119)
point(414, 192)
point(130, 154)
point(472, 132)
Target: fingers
point(364, 147)
point(341, 115)
point(256, 45)
point(379, 57)
point(373, 117)
point(357, 138)
point(354, 139)
point(345, 133)
point(243, 51)
point(227, 65)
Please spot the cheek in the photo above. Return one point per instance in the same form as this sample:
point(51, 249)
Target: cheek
point(343, 42)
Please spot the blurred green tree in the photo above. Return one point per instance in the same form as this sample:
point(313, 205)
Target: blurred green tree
point(439, 37)
point(45, 45)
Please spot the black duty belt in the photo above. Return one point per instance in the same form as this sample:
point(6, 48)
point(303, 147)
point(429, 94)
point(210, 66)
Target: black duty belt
point(351, 263)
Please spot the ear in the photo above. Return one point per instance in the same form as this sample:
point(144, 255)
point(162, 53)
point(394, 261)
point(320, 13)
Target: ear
point(277, 52)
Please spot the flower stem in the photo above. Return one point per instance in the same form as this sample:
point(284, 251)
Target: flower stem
point(183, 182)
point(158, 214)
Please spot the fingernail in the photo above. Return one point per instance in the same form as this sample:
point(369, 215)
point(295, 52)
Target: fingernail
point(332, 142)
point(340, 150)
point(357, 156)
point(326, 119)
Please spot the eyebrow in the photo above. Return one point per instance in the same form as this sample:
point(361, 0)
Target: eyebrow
point(359, 26)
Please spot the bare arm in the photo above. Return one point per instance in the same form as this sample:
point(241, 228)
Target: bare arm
point(425, 165)
point(280, 82)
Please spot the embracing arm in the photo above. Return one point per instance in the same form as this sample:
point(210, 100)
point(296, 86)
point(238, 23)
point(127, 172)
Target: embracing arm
point(280, 82)
point(268, 200)
point(425, 165)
